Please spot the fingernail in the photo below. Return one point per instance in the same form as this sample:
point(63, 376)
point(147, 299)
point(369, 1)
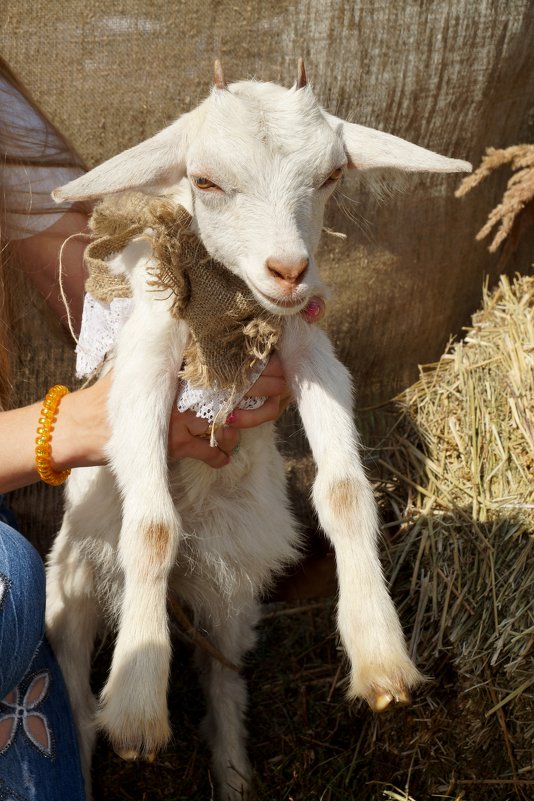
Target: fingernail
point(232, 417)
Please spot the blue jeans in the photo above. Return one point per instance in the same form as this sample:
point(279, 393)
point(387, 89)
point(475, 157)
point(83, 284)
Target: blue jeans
point(39, 758)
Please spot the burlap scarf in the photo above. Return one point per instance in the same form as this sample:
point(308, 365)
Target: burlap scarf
point(230, 330)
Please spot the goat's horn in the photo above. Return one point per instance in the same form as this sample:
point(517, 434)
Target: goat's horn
point(218, 76)
point(301, 75)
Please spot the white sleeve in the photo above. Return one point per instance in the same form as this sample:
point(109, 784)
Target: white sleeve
point(26, 136)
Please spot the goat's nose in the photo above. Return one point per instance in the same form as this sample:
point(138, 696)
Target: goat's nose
point(288, 274)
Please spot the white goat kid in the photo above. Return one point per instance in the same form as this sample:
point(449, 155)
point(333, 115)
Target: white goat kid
point(257, 164)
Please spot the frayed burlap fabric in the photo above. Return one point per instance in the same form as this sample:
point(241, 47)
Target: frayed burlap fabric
point(230, 330)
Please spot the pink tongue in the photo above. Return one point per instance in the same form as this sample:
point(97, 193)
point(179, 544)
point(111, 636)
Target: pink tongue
point(314, 310)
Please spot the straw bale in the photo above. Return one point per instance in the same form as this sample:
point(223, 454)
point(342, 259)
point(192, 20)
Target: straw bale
point(458, 483)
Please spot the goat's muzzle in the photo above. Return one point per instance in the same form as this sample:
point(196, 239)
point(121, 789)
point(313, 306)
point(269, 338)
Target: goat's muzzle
point(287, 274)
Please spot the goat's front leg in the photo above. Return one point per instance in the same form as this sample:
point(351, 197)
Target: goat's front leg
point(149, 353)
point(381, 670)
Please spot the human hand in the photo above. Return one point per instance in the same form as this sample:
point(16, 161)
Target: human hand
point(272, 385)
point(189, 434)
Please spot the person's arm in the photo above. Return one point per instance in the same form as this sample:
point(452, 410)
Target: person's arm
point(38, 256)
point(78, 438)
point(35, 159)
point(82, 430)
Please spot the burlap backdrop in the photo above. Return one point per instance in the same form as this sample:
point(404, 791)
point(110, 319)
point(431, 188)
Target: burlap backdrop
point(454, 76)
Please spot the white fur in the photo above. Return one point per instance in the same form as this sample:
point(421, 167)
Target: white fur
point(219, 536)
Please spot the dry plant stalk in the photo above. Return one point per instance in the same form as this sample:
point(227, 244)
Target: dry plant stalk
point(519, 192)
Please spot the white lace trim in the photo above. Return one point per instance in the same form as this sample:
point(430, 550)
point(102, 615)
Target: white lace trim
point(214, 405)
point(101, 325)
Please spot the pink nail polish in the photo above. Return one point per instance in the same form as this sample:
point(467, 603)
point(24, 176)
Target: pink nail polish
point(232, 417)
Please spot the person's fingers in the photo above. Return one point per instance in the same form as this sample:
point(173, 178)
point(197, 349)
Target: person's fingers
point(189, 438)
point(227, 439)
point(185, 430)
point(272, 380)
point(249, 418)
point(193, 425)
point(200, 448)
point(274, 366)
point(267, 387)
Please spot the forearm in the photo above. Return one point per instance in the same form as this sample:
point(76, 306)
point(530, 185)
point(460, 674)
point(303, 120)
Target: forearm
point(78, 438)
point(39, 258)
point(17, 447)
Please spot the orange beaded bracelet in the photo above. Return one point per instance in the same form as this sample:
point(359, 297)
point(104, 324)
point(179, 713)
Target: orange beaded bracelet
point(43, 451)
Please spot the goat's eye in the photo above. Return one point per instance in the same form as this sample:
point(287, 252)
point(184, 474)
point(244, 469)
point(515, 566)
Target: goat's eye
point(204, 183)
point(334, 176)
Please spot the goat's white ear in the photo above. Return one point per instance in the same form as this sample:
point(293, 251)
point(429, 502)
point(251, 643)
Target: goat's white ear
point(157, 161)
point(369, 149)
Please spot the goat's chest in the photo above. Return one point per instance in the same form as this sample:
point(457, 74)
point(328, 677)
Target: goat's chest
point(238, 530)
point(235, 529)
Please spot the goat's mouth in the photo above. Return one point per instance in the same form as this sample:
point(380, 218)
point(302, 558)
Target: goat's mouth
point(287, 305)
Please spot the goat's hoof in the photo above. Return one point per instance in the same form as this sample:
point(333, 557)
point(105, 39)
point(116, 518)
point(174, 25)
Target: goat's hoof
point(380, 699)
point(128, 754)
point(131, 755)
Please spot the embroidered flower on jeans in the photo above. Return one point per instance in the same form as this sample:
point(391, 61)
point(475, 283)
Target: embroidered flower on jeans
point(23, 712)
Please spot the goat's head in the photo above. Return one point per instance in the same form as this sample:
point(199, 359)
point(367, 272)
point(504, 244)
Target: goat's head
point(260, 161)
